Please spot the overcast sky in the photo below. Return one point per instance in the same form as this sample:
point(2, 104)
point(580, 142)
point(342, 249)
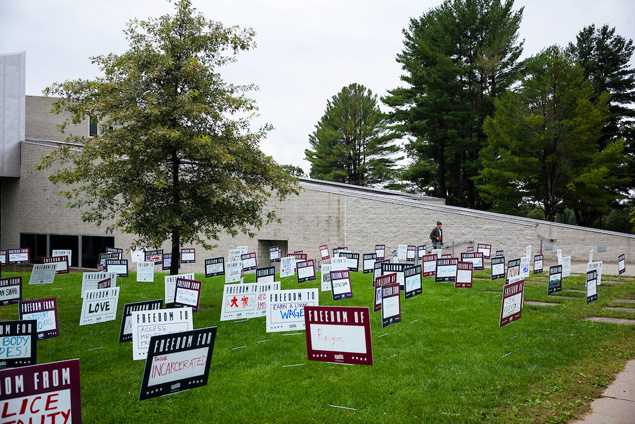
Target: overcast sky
point(307, 50)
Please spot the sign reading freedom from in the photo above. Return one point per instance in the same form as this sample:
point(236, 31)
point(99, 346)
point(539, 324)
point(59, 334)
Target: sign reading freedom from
point(47, 393)
point(338, 334)
point(44, 311)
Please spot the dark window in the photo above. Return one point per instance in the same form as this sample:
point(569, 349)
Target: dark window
point(92, 246)
point(36, 244)
point(92, 128)
point(63, 242)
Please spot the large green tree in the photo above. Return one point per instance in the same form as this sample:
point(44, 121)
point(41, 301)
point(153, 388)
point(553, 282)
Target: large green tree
point(175, 158)
point(351, 143)
point(544, 143)
point(457, 58)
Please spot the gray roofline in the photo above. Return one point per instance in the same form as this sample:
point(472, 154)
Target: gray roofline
point(365, 189)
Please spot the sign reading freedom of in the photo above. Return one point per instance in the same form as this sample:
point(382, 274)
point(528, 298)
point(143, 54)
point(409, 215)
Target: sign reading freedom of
point(44, 311)
point(61, 262)
point(177, 362)
point(512, 304)
point(10, 290)
point(18, 344)
point(46, 393)
point(339, 334)
point(380, 281)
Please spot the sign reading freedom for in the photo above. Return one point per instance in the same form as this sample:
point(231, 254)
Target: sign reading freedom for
point(18, 344)
point(47, 393)
point(379, 282)
point(10, 290)
point(177, 362)
point(45, 312)
point(512, 304)
point(338, 334)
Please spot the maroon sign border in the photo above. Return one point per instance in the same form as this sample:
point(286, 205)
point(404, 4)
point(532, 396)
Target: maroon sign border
point(510, 290)
point(42, 335)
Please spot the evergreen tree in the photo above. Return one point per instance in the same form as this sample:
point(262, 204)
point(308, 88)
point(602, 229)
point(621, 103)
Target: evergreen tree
point(350, 143)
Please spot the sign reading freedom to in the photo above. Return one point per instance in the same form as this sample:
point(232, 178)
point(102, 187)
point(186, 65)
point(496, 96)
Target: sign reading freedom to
point(125, 334)
point(338, 334)
point(512, 304)
point(177, 362)
point(46, 393)
point(18, 344)
point(285, 308)
point(146, 324)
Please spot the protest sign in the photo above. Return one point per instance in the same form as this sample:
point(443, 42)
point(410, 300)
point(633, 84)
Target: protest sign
point(214, 267)
point(528, 251)
point(538, 264)
point(368, 262)
point(170, 285)
point(463, 275)
point(437, 252)
point(43, 274)
point(154, 256)
point(137, 255)
point(325, 274)
point(145, 272)
point(266, 275)
point(512, 304)
point(90, 280)
point(377, 269)
point(297, 256)
point(524, 266)
point(470, 249)
point(118, 266)
point(559, 252)
point(287, 266)
point(476, 258)
point(116, 250)
point(44, 311)
point(566, 266)
point(411, 253)
point(590, 255)
point(421, 250)
point(621, 264)
point(513, 269)
point(306, 270)
point(390, 304)
point(341, 285)
point(188, 293)
point(485, 249)
point(591, 286)
point(338, 250)
point(3, 257)
point(249, 261)
point(429, 264)
point(10, 290)
point(67, 253)
point(104, 284)
point(597, 266)
point(167, 262)
point(445, 269)
point(188, 255)
point(380, 281)
point(402, 252)
point(18, 256)
point(18, 344)
point(103, 257)
point(285, 308)
point(146, 324)
point(412, 277)
point(125, 333)
point(45, 393)
point(498, 267)
point(352, 260)
point(234, 272)
point(99, 306)
point(234, 255)
point(380, 251)
point(324, 252)
point(239, 301)
point(177, 362)
point(274, 254)
point(555, 279)
point(388, 268)
point(261, 296)
point(339, 334)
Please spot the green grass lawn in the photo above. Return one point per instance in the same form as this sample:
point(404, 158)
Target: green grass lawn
point(443, 363)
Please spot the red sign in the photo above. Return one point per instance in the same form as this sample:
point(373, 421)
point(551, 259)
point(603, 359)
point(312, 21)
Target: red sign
point(470, 249)
point(104, 284)
point(429, 264)
point(463, 275)
point(44, 393)
point(339, 334)
point(324, 252)
point(512, 304)
point(380, 281)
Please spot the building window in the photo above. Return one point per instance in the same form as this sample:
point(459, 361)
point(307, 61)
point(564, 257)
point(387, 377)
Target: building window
point(92, 126)
point(86, 249)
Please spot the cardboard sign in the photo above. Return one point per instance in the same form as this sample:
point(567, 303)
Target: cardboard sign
point(402, 252)
point(261, 297)
point(411, 253)
point(125, 333)
point(498, 267)
point(43, 274)
point(377, 269)
point(429, 264)
point(145, 272)
point(214, 267)
point(621, 264)
point(249, 261)
point(512, 304)
point(234, 272)
point(464, 275)
point(379, 282)
point(116, 250)
point(67, 253)
point(18, 344)
point(90, 280)
point(591, 286)
point(421, 251)
point(45, 393)
point(559, 253)
point(597, 266)
point(485, 249)
point(524, 266)
point(234, 255)
point(388, 268)
point(154, 256)
point(306, 270)
point(10, 290)
point(566, 266)
point(266, 275)
point(476, 258)
point(146, 324)
point(368, 262)
point(60, 261)
point(412, 277)
point(188, 255)
point(513, 269)
point(188, 293)
point(274, 254)
point(446, 270)
point(18, 256)
point(341, 285)
point(390, 304)
point(285, 308)
point(239, 301)
point(177, 362)
point(118, 266)
point(137, 255)
point(44, 311)
point(287, 266)
point(338, 334)
point(555, 279)
point(325, 273)
point(3, 257)
point(324, 252)
point(380, 251)
point(170, 285)
point(99, 306)
point(538, 264)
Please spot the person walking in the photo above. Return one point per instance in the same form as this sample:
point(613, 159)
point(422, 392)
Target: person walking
point(436, 235)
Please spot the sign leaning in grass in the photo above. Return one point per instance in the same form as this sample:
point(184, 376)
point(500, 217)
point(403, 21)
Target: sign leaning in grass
point(390, 304)
point(341, 285)
point(379, 282)
point(214, 267)
point(47, 393)
point(239, 301)
point(188, 293)
point(512, 304)
point(18, 344)
point(146, 324)
point(306, 270)
point(125, 333)
point(43, 274)
point(591, 286)
point(285, 308)
point(44, 311)
point(99, 306)
point(538, 264)
point(412, 277)
point(555, 279)
point(339, 334)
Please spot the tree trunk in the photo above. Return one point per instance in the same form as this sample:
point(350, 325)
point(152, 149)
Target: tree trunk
point(176, 200)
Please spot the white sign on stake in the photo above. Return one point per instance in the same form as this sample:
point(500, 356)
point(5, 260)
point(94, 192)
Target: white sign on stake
point(234, 272)
point(287, 266)
point(43, 274)
point(326, 277)
point(146, 324)
point(67, 253)
point(559, 252)
point(566, 266)
point(99, 306)
point(145, 272)
point(597, 266)
point(402, 252)
point(91, 279)
point(527, 254)
point(590, 255)
point(239, 301)
point(137, 255)
point(170, 286)
point(524, 265)
point(285, 308)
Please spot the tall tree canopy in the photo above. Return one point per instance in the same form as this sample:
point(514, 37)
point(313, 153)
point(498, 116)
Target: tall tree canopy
point(544, 143)
point(350, 143)
point(457, 59)
point(175, 157)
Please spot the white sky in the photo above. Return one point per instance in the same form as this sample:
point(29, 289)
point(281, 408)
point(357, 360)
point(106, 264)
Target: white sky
point(307, 50)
